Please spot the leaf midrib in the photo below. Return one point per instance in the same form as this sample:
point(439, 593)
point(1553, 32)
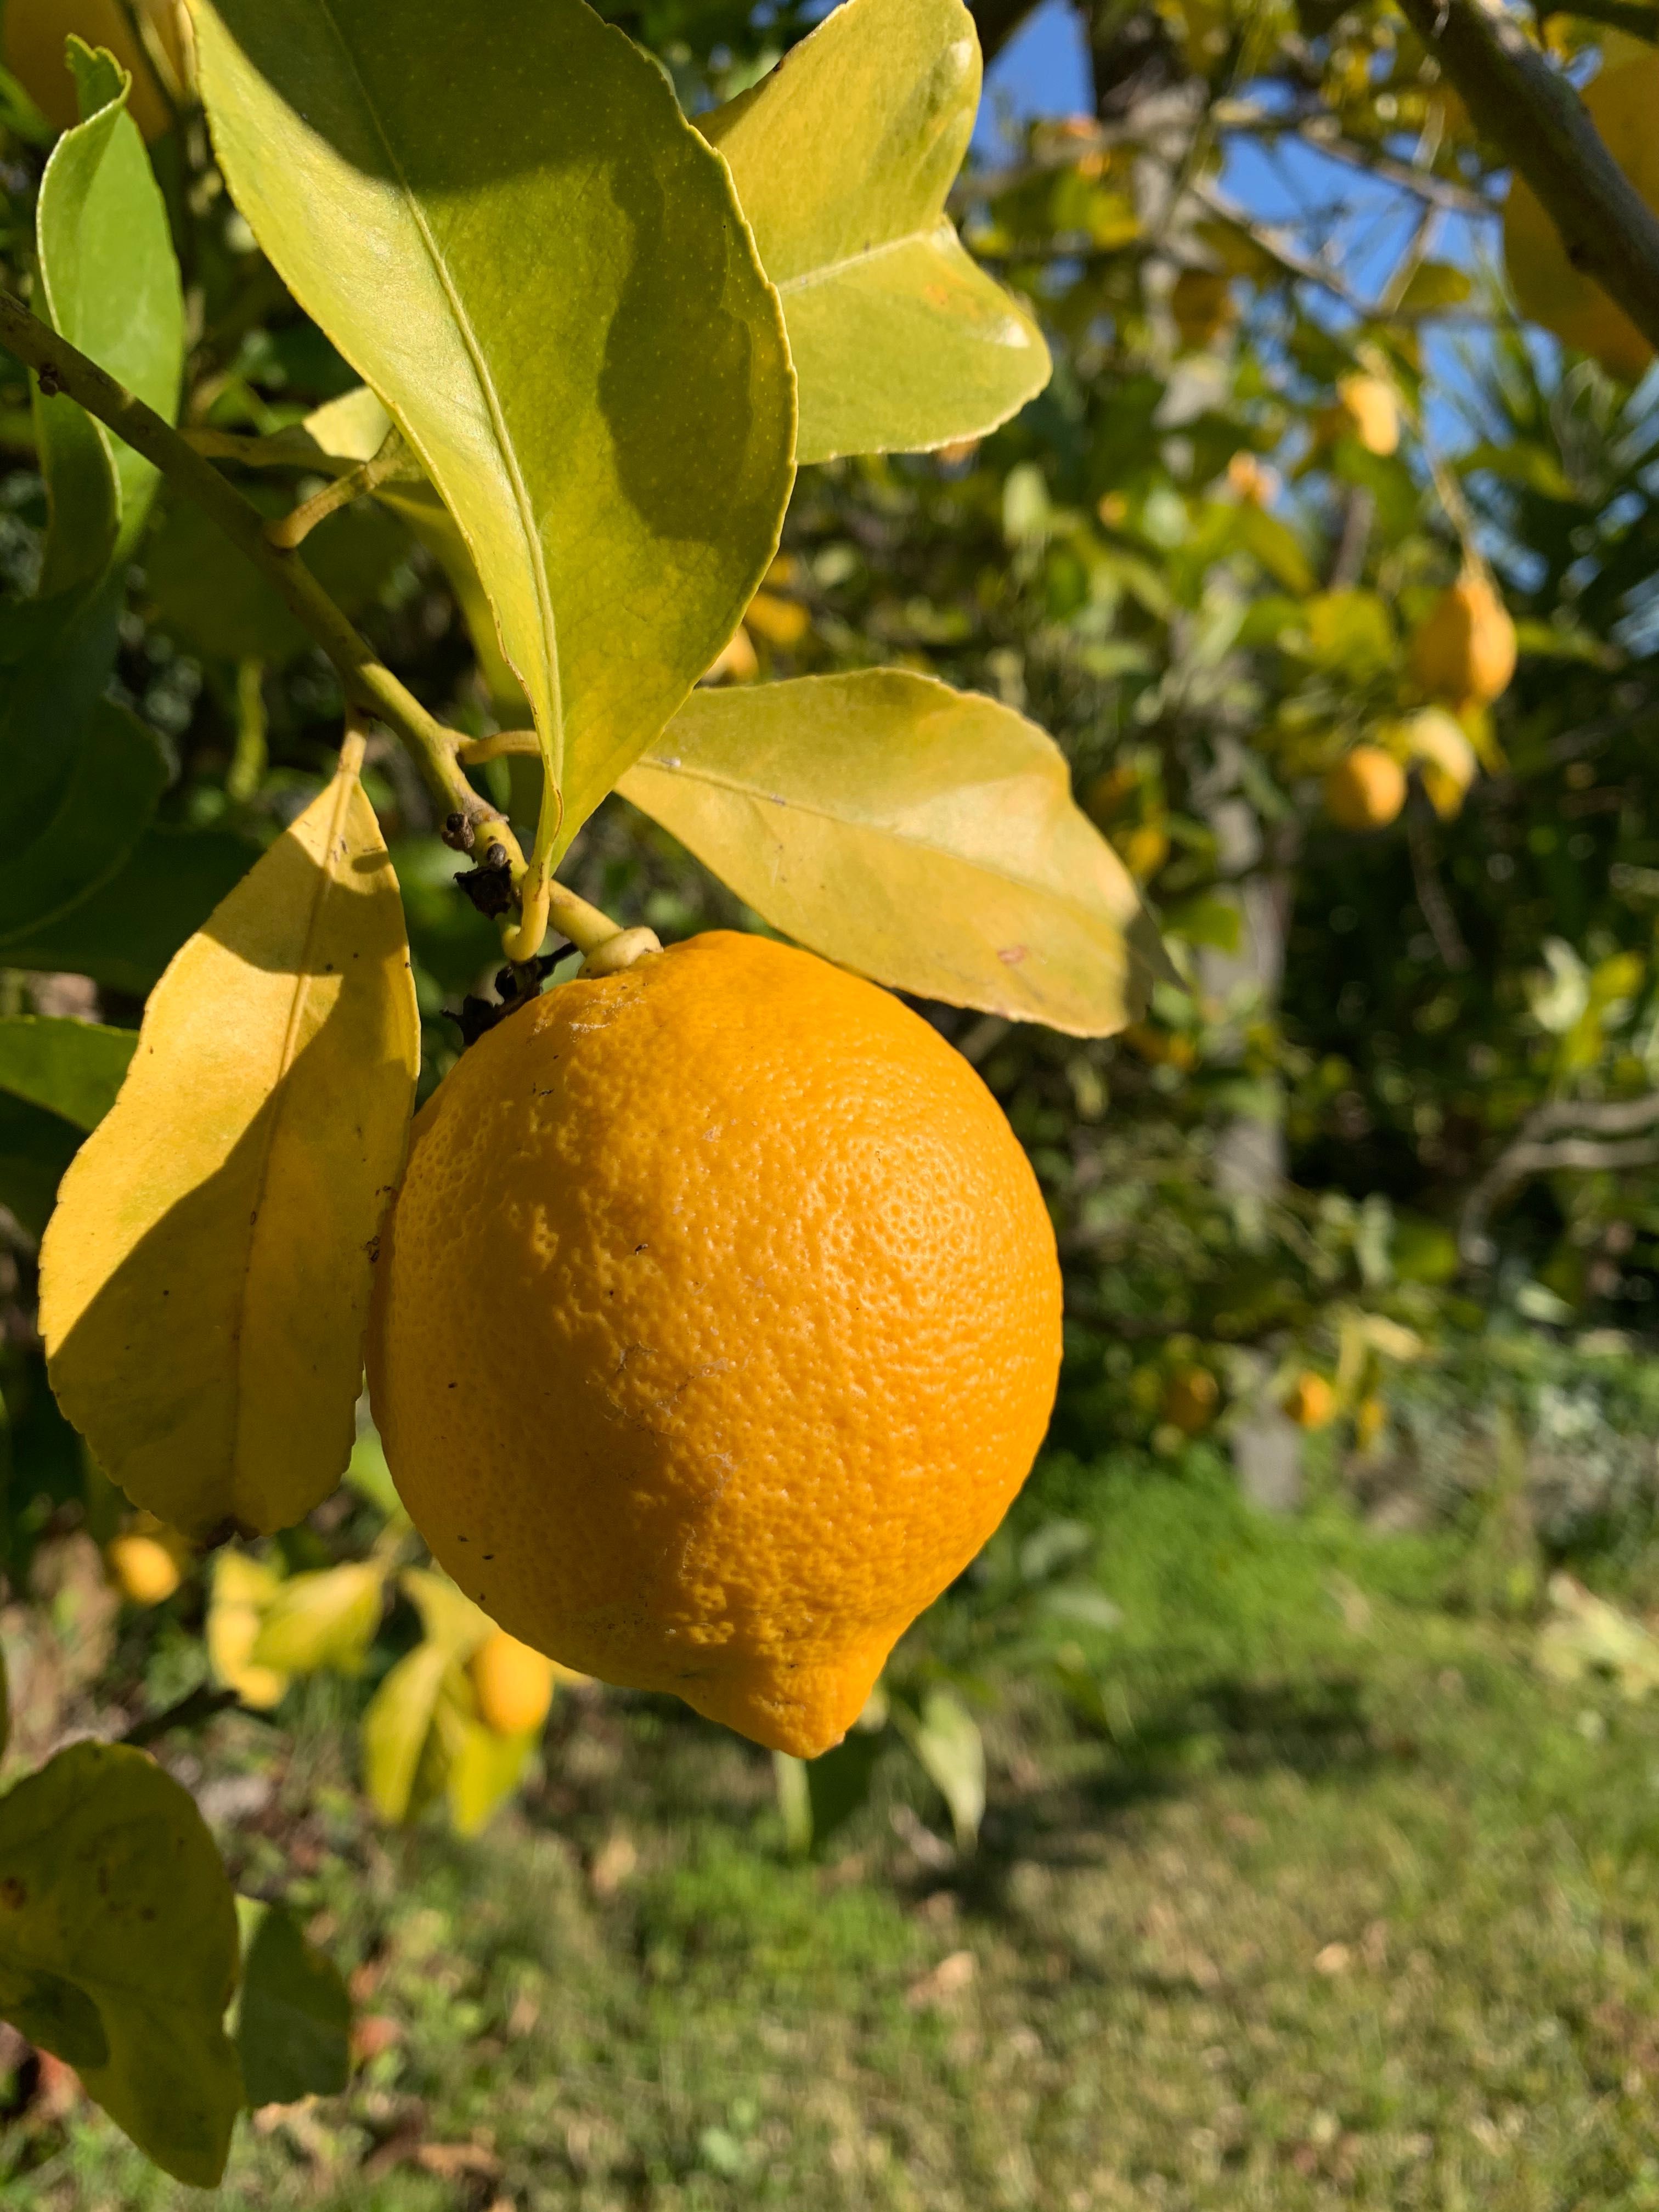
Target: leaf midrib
point(553, 742)
point(821, 814)
point(345, 786)
point(827, 271)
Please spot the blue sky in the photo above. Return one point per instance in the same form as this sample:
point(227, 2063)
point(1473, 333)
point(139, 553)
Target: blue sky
point(1043, 70)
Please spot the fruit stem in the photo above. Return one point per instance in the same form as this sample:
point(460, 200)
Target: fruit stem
point(586, 926)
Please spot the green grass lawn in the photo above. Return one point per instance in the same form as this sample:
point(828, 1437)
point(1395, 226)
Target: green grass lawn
point(1335, 1900)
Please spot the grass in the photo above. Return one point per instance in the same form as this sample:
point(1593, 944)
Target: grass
point(1312, 1893)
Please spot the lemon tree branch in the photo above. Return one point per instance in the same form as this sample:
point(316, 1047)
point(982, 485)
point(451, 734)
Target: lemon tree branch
point(1528, 108)
point(370, 688)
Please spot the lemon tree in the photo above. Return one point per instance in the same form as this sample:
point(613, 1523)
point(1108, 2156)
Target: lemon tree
point(433, 409)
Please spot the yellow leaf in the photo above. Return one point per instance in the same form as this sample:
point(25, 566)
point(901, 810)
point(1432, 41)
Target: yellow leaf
point(843, 158)
point(484, 1770)
point(326, 1620)
point(450, 1618)
point(205, 1277)
point(243, 1588)
point(396, 1728)
point(924, 836)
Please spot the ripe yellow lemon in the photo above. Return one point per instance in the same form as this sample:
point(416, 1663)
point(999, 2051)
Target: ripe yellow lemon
point(513, 1684)
point(1365, 790)
point(1312, 1401)
point(144, 1571)
point(1623, 101)
point(1464, 650)
point(32, 44)
point(716, 1326)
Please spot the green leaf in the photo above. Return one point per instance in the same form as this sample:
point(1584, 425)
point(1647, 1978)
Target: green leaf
point(73, 1069)
point(794, 1802)
point(1206, 920)
point(35, 1149)
point(124, 934)
point(925, 837)
point(1435, 286)
point(1277, 549)
point(838, 1782)
point(218, 604)
point(117, 1948)
point(1347, 633)
point(294, 2024)
point(501, 217)
point(322, 1619)
point(946, 1738)
point(110, 283)
point(120, 770)
point(843, 158)
point(396, 1728)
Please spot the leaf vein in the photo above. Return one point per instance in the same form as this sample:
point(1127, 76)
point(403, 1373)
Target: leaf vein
point(553, 743)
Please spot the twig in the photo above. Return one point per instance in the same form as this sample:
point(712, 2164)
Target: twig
point(1349, 564)
point(1530, 1152)
point(1439, 191)
point(1455, 954)
point(368, 685)
point(288, 532)
point(1271, 238)
point(1530, 110)
point(504, 744)
point(197, 1705)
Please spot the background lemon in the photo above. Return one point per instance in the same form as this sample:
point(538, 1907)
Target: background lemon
point(715, 1327)
point(513, 1684)
point(144, 1570)
point(1365, 790)
point(1465, 649)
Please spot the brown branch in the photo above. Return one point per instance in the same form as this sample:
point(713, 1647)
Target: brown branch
point(370, 688)
point(1432, 897)
point(1439, 191)
point(1606, 1139)
point(997, 22)
point(1530, 111)
point(1640, 18)
point(195, 1706)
